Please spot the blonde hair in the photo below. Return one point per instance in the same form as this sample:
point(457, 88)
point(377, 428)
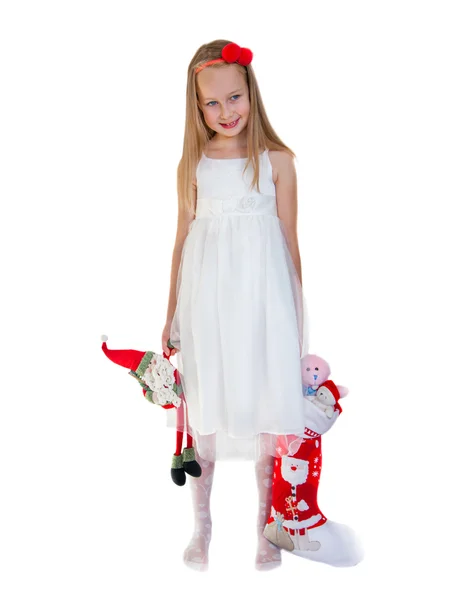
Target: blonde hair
point(197, 133)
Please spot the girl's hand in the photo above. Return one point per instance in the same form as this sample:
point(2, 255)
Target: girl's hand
point(165, 338)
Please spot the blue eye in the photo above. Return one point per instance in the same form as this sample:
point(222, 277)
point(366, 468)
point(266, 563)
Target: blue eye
point(235, 96)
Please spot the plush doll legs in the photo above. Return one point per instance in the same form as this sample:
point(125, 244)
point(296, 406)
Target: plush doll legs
point(268, 556)
point(196, 553)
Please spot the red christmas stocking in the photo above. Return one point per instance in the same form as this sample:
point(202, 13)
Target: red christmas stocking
point(296, 523)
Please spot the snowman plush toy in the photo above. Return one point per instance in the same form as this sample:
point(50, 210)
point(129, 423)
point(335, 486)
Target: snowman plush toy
point(296, 523)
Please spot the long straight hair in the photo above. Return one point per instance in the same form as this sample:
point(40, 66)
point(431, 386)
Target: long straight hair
point(260, 133)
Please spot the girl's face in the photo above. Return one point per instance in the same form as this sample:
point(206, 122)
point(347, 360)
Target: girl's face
point(223, 99)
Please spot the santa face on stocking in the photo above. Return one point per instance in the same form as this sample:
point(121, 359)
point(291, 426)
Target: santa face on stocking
point(294, 470)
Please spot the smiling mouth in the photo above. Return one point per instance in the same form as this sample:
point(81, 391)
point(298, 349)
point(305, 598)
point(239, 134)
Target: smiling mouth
point(231, 124)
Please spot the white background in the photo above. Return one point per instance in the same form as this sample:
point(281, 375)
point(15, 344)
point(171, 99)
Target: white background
point(377, 100)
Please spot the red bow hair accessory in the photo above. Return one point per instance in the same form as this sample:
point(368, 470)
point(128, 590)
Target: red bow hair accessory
point(230, 53)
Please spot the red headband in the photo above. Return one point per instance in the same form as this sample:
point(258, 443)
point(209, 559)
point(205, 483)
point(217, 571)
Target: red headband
point(230, 53)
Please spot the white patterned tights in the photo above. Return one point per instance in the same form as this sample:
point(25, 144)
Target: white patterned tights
point(196, 553)
point(268, 556)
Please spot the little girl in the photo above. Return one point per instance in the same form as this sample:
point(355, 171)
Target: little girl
point(236, 313)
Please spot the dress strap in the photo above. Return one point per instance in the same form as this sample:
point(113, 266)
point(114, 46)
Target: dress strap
point(269, 167)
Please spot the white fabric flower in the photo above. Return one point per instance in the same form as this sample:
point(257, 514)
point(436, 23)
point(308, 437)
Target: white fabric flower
point(245, 203)
point(233, 203)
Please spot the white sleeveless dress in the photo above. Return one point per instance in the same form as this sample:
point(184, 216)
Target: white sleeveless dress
point(240, 323)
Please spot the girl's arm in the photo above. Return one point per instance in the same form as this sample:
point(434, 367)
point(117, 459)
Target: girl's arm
point(183, 224)
point(286, 200)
